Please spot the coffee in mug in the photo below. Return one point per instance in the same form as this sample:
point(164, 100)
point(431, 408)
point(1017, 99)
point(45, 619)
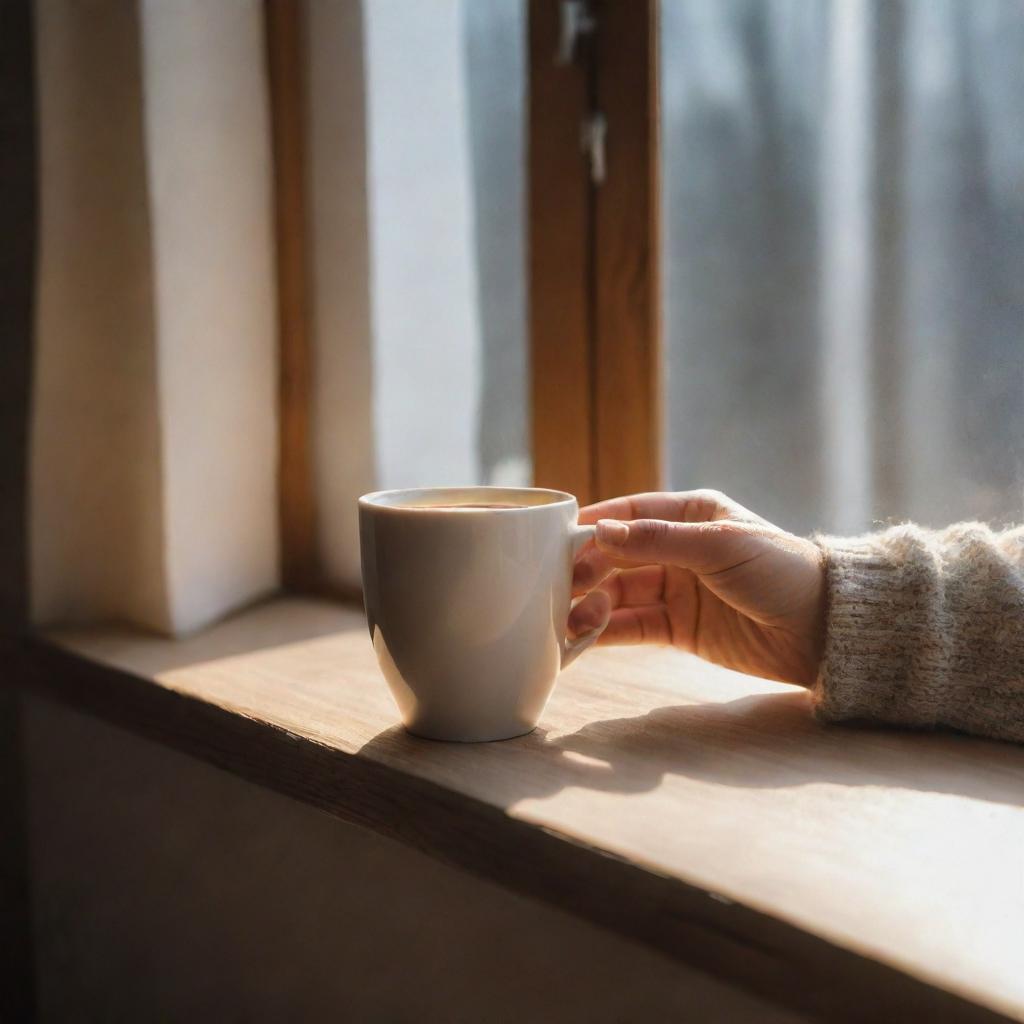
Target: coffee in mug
point(471, 504)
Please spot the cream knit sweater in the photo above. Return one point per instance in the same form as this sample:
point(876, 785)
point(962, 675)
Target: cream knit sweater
point(926, 628)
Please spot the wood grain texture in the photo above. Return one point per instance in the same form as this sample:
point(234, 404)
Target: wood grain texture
point(559, 245)
point(849, 874)
point(287, 82)
point(627, 338)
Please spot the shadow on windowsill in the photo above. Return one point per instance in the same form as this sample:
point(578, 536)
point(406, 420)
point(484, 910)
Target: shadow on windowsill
point(766, 741)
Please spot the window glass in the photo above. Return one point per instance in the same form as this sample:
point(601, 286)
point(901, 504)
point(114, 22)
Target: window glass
point(844, 243)
point(445, 102)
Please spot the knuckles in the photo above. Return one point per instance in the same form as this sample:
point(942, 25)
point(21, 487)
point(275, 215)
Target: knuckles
point(649, 532)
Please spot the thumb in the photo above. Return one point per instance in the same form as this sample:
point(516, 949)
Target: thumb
point(703, 547)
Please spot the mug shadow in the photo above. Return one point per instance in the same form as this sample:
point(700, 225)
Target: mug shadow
point(766, 741)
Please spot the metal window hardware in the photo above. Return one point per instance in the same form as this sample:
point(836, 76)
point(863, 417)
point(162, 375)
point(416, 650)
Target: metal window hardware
point(576, 20)
point(592, 139)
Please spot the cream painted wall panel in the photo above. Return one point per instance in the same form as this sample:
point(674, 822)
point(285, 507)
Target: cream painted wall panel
point(208, 144)
point(153, 493)
point(97, 517)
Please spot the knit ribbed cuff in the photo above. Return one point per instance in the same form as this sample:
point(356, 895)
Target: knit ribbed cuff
point(879, 606)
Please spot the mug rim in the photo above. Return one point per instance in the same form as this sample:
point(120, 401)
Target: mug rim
point(374, 499)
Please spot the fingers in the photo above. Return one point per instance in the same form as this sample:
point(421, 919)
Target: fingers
point(596, 562)
point(650, 625)
point(640, 585)
point(639, 590)
point(647, 624)
point(591, 613)
point(633, 588)
point(674, 506)
point(656, 505)
point(708, 547)
point(592, 567)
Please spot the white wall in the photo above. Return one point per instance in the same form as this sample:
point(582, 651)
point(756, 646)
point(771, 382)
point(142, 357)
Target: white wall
point(210, 180)
point(154, 429)
point(97, 515)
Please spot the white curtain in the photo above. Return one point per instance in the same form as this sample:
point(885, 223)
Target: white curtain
point(844, 242)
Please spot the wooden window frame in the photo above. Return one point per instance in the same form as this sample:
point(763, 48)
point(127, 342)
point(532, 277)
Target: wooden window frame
point(286, 73)
point(595, 329)
point(593, 266)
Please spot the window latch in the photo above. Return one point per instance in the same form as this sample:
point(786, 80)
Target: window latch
point(592, 140)
point(575, 20)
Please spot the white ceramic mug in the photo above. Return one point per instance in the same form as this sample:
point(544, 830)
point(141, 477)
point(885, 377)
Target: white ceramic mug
point(467, 607)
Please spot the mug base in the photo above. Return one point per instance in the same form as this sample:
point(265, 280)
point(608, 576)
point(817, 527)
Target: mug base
point(445, 737)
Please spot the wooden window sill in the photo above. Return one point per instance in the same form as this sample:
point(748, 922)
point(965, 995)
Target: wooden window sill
point(851, 874)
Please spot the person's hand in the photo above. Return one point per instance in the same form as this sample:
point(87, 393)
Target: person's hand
point(700, 572)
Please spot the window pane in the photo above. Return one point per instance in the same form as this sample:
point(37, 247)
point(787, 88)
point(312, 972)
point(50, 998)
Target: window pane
point(445, 93)
point(844, 244)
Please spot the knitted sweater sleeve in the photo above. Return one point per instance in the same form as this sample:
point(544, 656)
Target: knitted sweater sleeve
point(926, 628)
